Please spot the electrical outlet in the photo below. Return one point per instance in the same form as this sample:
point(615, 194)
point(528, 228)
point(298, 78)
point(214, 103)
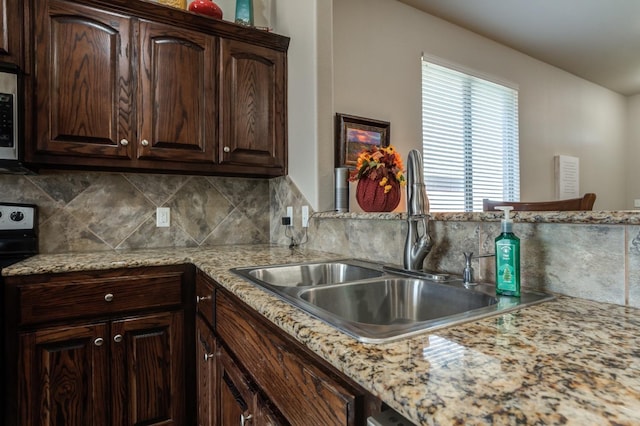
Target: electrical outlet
point(636, 203)
point(305, 216)
point(163, 217)
point(290, 215)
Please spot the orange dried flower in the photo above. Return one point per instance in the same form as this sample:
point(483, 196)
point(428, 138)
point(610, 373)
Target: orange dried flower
point(382, 163)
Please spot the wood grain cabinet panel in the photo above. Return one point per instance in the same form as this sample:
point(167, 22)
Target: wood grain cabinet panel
point(302, 391)
point(90, 297)
point(205, 297)
point(64, 376)
point(240, 401)
point(206, 374)
point(118, 367)
point(140, 86)
point(147, 370)
point(253, 105)
point(84, 81)
point(11, 31)
point(177, 109)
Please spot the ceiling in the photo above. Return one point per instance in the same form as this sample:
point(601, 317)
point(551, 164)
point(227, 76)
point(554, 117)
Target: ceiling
point(598, 40)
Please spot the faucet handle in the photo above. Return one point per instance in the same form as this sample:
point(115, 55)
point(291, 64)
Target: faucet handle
point(467, 272)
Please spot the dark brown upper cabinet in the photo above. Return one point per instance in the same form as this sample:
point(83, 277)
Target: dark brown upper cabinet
point(253, 86)
point(177, 110)
point(11, 28)
point(140, 86)
point(84, 83)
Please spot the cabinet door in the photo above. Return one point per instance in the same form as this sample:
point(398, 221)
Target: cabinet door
point(237, 405)
point(266, 415)
point(177, 108)
point(64, 376)
point(206, 379)
point(148, 370)
point(253, 105)
point(84, 88)
point(11, 31)
point(303, 391)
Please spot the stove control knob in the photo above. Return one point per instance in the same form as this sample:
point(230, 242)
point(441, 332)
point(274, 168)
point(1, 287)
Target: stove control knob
point(17, 216)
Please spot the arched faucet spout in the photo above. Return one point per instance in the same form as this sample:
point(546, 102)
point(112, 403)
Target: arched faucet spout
point(418, 243)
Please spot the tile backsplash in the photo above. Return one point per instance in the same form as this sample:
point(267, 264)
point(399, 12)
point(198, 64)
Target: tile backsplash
point(81, 212)
point(109, 211)
point(598, 261)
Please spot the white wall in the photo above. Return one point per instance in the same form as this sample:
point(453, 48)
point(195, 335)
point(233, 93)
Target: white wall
point(310, 102)
point(633, 171)
point(377, 49)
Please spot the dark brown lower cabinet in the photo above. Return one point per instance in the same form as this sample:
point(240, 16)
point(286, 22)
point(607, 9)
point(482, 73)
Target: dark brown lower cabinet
point(116, 348)
point(64, 376)
point(120, 362)
point(265, 374)
point(206, 379)
point(226, 393)
point(240, 401)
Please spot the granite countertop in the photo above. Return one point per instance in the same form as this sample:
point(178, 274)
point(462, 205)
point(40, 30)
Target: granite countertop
point(567, 361)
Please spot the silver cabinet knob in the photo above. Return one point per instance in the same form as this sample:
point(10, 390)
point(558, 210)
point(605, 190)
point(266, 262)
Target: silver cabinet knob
point(207, 357)
point(108, 297)
point(117, 338)
point(144, 142)
point(226, 149)
point(99, 341)
point(202, 298)
point(124, 142)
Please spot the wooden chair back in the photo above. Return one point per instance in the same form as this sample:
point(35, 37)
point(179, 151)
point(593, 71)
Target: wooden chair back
point(584, 203)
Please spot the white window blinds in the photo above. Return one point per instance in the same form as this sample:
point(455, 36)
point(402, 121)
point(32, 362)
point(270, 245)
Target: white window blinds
point(470, 140)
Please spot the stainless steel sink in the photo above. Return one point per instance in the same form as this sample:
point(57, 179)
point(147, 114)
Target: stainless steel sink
point(395, 301)
point(311, 274)
point(375, 304)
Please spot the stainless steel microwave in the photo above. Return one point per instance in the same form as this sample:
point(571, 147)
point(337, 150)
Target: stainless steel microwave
point(10, 135)
point(9, 116)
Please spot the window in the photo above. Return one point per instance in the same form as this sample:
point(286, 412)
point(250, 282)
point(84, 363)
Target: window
point(469, 139)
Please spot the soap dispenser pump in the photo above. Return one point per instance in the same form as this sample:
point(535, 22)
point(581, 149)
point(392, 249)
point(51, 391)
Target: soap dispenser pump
point(507, 257)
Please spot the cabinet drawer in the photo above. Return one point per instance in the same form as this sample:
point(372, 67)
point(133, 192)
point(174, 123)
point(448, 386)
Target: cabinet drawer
point(93, 297)
point(205, 296)
point(302, 391)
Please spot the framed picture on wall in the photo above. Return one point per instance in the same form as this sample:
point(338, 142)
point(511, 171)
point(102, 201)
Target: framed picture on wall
point(353, 134)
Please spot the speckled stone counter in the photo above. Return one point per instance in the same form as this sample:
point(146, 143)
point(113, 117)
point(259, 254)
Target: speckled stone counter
point(568, 361)
point(620, 217)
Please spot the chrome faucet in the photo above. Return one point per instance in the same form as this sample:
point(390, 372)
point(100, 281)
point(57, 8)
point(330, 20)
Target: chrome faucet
point(418, 242)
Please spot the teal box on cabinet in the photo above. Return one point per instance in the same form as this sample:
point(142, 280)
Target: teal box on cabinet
point(244, 12)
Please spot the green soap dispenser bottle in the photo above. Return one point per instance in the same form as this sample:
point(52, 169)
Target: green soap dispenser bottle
point(507, 258)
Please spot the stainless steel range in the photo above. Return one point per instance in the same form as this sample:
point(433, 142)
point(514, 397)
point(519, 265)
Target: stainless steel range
point(18, 240)
point(18, 235)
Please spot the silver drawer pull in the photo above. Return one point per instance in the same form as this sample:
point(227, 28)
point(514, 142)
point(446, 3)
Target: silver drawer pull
point(117, 338)
point(202, 298)
point(108, 297)
point(144, 142)
point(245, 419)
point(124, 142)
point(207, 357)
point(226, 149)
point(99, 341)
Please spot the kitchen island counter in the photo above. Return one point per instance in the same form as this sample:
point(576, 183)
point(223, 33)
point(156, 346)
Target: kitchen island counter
point(567, 361)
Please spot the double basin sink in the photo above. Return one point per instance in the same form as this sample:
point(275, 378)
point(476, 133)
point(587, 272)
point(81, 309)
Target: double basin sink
point(375, 304)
